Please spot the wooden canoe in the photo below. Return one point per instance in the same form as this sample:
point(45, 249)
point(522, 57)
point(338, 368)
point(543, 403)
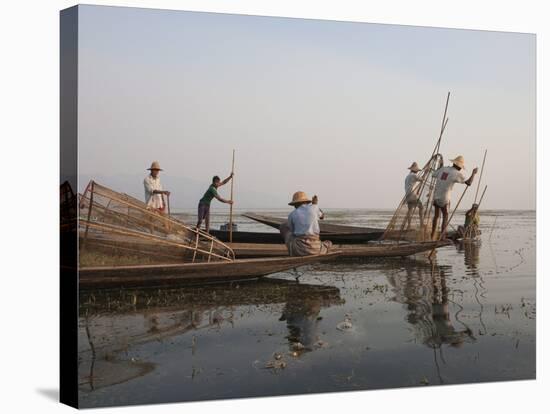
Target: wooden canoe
point(250, 250)
point(275, 238)
point(325, 227)
point(141, 275)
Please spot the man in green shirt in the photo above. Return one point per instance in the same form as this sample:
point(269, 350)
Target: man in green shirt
point(204, 203)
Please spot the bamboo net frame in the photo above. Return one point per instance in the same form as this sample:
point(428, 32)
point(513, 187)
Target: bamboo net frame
point(117, 229)
point(407, 222)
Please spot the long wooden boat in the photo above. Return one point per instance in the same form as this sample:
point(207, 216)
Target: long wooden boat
point(159, 274)
point(250, 250)
point(324, 227)
point(274, 238)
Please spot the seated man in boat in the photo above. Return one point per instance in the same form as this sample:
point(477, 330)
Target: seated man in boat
point(301, 231)
point(446, 177)
point(204, 202)
point(411, 194)
point(153, 189)
point(471, 224)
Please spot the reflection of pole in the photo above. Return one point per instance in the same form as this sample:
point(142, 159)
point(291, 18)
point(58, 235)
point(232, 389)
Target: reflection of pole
point(92, 348)
point(231, 205)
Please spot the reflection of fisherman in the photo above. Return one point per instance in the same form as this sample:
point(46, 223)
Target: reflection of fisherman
point(301, 316)
point(426, 298)
point(301, 230)
point(471, 223)
point(411, 193)
point(471, 255)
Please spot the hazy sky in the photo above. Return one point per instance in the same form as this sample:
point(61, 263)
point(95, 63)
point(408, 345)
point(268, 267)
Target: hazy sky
point(333, 108)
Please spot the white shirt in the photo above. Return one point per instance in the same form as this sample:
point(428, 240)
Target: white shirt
point(151, 184)
point(411, 186)
point(304, 220)
point(446, 178)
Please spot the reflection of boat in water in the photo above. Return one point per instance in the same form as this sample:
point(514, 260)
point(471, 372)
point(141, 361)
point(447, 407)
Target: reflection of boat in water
point(422, 288)
point(113, 322)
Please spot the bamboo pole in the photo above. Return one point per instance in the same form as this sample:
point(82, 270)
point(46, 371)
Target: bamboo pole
point(450, 218)
point(480, 175)
point(453, 213)
point(393, 224)
point(231, 205)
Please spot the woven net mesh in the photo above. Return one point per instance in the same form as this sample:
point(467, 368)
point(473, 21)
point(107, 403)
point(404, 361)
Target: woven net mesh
point(412, 219)
point(117, 229)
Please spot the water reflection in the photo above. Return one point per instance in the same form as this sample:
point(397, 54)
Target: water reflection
point(302, 316)
point(113, 323)
point(471, 250)
point(422, 288)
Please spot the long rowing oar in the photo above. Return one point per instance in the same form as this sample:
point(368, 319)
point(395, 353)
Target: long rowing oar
point(231, 205)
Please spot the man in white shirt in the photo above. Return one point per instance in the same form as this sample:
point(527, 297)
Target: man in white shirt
point(301, 231)
point(153, 189)
point(411, 193)
point(446, 178)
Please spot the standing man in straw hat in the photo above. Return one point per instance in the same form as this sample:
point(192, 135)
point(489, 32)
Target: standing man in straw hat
point(301, 231)
point(153, 189)
point(411, 193)
point(446, 178)
point(204, 202)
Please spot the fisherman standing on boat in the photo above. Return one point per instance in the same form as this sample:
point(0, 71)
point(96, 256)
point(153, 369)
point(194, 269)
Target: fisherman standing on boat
point(411, 194)
point(301, 231)
point(446, 178)
point(153, 189)
point(204, 202)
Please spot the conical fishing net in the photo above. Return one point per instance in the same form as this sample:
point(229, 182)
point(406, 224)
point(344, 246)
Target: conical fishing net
point(411, 220)
point(117, 229)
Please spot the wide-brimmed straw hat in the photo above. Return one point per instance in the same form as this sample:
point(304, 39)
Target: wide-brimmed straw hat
point(299, 197)
point(155, 166)
point(458, 161)
point(414, 167)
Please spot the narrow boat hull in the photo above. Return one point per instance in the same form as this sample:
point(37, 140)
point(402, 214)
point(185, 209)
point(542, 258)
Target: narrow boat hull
point(249, 250)
point(142, 275)
point(325, 227)
point(275, 238)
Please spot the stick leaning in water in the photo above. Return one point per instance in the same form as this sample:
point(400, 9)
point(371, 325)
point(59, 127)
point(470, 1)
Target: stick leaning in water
point(450, 218)
point(480, 175)
point(231, 205)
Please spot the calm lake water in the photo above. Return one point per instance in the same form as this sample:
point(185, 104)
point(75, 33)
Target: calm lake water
point(469, 316)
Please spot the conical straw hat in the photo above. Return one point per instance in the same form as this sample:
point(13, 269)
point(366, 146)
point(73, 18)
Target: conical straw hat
point(414, 167)
point(299, 197)
point(155, 166)
point(458, 161)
